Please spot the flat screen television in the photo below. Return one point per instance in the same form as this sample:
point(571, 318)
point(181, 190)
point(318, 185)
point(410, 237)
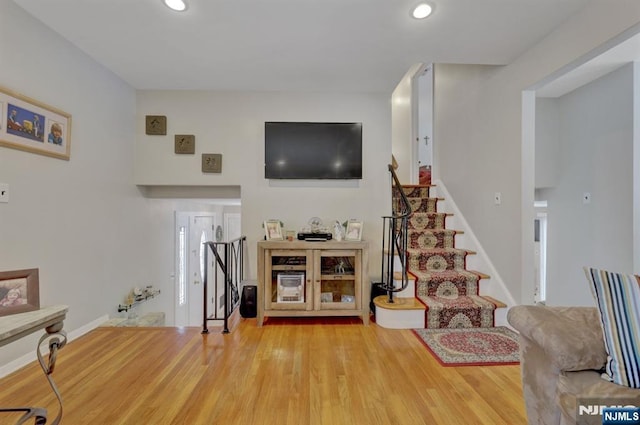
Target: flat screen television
point(312, 150)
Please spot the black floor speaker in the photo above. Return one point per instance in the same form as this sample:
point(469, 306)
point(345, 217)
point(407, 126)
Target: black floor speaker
point(249, 301)
point(376, 290)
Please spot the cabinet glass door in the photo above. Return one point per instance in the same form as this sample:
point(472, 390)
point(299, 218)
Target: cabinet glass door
point(288, 280)
point(337, 280)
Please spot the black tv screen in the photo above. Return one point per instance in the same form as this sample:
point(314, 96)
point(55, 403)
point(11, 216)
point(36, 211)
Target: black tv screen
point(312, 150)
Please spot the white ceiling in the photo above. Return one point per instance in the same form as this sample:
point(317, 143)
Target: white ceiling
point(295, 45)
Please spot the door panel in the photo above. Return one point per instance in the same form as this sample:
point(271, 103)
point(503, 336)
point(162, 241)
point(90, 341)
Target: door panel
point(201, 230)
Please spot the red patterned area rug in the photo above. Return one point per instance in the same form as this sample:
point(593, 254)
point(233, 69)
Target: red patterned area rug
point(471, 346)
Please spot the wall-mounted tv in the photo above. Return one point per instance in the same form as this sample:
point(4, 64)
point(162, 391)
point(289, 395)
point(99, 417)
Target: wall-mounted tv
point(312, 150)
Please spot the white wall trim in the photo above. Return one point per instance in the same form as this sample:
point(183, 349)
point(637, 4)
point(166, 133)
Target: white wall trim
point(495, 285)
point(24, 360)
point(636, 169)
point(527, 188)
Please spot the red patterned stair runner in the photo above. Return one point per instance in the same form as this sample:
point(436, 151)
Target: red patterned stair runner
point(443, 283)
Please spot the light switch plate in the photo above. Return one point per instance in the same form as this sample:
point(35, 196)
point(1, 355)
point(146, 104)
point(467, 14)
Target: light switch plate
point(4, 193)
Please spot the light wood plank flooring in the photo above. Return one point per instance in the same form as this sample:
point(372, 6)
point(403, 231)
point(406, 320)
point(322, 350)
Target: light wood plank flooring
point(291, 371)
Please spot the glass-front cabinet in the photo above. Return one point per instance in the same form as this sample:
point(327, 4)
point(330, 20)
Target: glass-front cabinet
point(337, 279)
point(288, 279)
point(303, 278)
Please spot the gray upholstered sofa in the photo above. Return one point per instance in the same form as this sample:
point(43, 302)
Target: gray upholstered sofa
point(561, 354)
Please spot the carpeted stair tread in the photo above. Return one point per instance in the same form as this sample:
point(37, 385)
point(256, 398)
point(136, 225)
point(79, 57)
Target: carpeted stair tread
point(416, 191)
point(424, 204)
point(409, 186)
point(437, 259)
point(463, 311)
point(431, 238)
point(448, 274)
point(440, 251)
point(449, 283)
point(449, 291)
point(436, 231)
point(428, 220)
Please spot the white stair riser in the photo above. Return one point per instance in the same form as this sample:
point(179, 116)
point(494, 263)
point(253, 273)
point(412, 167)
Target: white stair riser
point(409, 291)
point(397, 265)
point(399, 319)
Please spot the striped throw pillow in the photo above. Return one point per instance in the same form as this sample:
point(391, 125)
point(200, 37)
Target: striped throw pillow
point(618, 298)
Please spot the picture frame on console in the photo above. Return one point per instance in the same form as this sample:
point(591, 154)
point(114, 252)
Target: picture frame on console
point(273, 230)
point(354, 230)
point(19, 291)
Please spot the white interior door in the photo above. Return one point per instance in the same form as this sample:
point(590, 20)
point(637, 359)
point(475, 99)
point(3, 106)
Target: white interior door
point(201, 231)
point(192, 230)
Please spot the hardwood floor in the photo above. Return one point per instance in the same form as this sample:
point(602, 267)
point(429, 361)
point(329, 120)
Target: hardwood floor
point(291, 371)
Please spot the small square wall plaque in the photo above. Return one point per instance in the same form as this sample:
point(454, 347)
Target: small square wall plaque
point(156, 125)
point(185, 143)
point(211, 163)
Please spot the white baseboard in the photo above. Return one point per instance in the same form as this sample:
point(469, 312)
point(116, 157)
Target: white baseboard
point(22, 361)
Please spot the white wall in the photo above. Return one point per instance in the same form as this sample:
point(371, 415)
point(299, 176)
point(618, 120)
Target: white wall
point(547, 144)
point(232, 123)
point(478, 129)
point(595, 136)
point(404, 125)
point(81, 222)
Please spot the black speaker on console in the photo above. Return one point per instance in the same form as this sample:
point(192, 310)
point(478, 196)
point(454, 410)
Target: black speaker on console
point(249, 301)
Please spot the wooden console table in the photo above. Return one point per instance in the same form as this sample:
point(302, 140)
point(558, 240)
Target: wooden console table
point(17, 326)
point(302, 278)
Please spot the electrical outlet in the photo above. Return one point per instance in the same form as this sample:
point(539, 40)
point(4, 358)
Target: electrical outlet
point(586, 198)
point(497, 198)
point(4, 192)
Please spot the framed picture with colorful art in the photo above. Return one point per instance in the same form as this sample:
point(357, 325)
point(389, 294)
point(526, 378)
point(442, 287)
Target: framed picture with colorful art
point(32, 126)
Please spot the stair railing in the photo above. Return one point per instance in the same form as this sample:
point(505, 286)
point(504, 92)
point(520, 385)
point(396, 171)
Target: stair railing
point(229, 259)
point(395, 238)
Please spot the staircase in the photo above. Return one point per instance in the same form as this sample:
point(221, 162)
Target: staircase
point(441, 292)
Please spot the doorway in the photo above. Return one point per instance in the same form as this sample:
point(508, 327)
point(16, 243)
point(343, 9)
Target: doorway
point(192, 230)
point(540, 256)
point(425, 124)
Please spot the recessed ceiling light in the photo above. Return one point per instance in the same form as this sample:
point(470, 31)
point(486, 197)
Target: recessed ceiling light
point(177, 5)
point(422, 11)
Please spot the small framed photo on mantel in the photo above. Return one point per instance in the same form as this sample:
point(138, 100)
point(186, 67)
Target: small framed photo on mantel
point(354, 230)
point(273, 230)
